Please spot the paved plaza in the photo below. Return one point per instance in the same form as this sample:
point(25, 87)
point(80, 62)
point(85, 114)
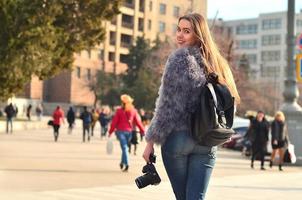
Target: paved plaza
point(33, 167)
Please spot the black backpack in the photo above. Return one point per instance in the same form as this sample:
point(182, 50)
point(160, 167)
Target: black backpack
point(212, 120)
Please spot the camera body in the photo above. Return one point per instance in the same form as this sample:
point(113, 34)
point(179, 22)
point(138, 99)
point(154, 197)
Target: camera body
point(150, 176)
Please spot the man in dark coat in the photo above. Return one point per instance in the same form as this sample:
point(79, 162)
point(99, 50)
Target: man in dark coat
point(259, 136)
point(10, 113)
point(70, 119)
point(86, 117)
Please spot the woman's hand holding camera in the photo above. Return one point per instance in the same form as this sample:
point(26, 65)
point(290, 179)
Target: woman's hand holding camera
point(149, 149)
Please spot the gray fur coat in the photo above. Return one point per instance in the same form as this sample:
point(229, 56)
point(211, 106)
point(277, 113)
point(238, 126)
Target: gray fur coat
point(178, 94)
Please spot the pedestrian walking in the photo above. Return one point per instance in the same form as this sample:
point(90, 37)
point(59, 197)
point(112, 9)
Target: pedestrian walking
point(39, 112)
point(95, 118)
point(70, 119)
point(279, 138)
point(188, 165)
point(134, 139)
point(58, 118)
point(259, 129)
point(104, 119)
point(122, 122)
point(28, 112)
point(86, 117)
point(144, 120)
point(10, 114)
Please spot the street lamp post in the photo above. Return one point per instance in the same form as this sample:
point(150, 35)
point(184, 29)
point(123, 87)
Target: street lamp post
point(291, 92)
point(290, 107)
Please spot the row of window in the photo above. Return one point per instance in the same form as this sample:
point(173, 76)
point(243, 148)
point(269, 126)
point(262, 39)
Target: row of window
point(163, 10)
point(267, 24)
point(246, 29)
point(247, 44)
point(266, 40)
point(270, 71)
point(131, 4)
point(270, 55)
point(123, 57)
point(265, 56)
point(87, 74)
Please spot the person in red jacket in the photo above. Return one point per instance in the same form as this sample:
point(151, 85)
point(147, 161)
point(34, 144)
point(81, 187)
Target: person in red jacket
point(121, 123)
point(58, 117)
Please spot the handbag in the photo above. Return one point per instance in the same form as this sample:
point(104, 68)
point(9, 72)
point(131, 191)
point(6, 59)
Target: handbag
point(50, 123)
point(212, 120)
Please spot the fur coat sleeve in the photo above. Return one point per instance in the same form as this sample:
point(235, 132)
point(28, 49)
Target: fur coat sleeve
point(182, 78)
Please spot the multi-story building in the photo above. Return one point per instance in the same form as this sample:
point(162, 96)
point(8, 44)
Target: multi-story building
point(263, 40)
point(147, 18)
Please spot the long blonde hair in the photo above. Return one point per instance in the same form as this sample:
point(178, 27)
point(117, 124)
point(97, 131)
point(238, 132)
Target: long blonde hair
point(213, 60)
point(280, 115)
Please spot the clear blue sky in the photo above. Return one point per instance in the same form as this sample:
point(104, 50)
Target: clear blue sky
point(242, 9)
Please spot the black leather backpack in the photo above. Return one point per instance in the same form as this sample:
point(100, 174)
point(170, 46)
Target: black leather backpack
point(212, 120)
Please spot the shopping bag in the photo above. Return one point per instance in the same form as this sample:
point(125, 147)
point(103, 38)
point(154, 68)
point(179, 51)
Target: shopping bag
point(291, 151)
point(109, 146)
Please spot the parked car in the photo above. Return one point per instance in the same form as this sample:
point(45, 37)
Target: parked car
point(240, 126)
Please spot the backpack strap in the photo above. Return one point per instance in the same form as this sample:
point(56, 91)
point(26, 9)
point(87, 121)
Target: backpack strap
point(221, 113)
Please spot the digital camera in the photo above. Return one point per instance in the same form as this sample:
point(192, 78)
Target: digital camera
point(150, 176)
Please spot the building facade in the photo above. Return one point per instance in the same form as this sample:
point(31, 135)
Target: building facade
point(263, 40)
point(148, 18)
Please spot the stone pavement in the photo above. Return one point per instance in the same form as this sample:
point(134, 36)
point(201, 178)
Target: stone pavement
point(33, 167)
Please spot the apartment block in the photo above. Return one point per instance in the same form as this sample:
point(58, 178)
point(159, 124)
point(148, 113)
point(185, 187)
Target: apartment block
point(147, 18)
point(264, 41)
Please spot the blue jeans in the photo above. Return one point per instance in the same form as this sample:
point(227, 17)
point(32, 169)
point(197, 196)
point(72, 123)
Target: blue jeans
point(189, 166)
point(9, 121)
point(124, 138)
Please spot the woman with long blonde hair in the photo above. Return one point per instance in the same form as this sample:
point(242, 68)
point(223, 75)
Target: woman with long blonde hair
point(279, 138)
point(122, 124)
point(188, 165)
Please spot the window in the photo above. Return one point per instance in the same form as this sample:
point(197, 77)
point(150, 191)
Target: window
point(247, 29)
point(270, 55)
point(162, 9)
point(89, 54)
point(176, 11)
point(126, 40)
point(111, 56)
point(112, 37)
point(150, 6)
point(252, 58)
point(129, 3)
point(127, 21)
point(299, 22)
point(88, 74)
point(271, 40)
point(140, 24)
point(78, 72)
point(247, 44)
point(149, 24)
point(101, 54)
point(141, 5)
point(123, 58)
point(268, 24)
point(162, 27)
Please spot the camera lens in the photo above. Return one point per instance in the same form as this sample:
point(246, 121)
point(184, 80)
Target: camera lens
point(141, 183)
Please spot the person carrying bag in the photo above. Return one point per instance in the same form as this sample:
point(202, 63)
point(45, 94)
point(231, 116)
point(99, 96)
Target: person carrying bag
point(121, 123)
